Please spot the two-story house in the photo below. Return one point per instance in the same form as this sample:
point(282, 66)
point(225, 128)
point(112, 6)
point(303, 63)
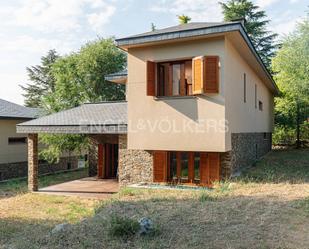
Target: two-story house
point(199, 107)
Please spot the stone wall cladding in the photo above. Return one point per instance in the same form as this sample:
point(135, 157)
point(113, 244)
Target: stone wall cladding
point(93, 157)
point(247, 148)
point(225, 165)
point(20, 169)
point(135, 166)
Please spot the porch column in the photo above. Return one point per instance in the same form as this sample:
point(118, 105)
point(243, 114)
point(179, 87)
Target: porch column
point(33, 162)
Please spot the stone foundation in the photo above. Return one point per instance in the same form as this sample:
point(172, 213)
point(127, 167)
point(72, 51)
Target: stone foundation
point(135, 166)
point(225, 165)
point(246, 149)
point(20, 169)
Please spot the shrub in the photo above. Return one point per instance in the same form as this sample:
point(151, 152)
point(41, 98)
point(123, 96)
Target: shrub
point(283, 135)
point(123, 226)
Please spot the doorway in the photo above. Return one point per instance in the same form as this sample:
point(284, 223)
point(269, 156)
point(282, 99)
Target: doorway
point(108, 161)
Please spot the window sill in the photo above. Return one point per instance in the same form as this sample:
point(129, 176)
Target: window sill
point(175, 97)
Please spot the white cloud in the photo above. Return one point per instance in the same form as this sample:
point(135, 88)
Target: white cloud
point(198, 10)
point(58, 15)
point(286, 26)
point(97, 20)
point(9, 91)
point(29, 28)
point(265, 3)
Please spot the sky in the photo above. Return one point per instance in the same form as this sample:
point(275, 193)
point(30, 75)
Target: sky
point(29, 28)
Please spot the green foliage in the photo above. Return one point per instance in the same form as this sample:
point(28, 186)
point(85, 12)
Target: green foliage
point(80, 77)
point(42, 80)
point(57, 144)
point(291, 74)
point(183, 19)
point(123, 226)
point(256, 26)
point(283, 135)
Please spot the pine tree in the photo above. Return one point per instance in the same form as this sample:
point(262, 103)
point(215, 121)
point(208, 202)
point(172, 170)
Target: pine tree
point(256, 26)
point(41, 79)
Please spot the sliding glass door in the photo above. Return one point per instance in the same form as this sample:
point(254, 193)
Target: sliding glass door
point(183, 167)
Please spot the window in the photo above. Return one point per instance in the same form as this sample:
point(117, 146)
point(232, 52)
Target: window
point(260, 105)
point(199, 75)
point(174, 78)
point(245, 87)
point(186, 167)
point(17, 140)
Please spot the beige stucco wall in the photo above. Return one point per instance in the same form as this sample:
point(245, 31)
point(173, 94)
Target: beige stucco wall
point(158, 124)
point(14, 152)
point(244, 117)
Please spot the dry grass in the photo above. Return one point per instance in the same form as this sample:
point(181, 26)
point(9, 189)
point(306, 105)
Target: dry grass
point(256, 213)
point(25, 217)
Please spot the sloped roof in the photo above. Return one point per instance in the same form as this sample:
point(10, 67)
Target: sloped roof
point(103, 117)
point(191, 31)
point(178, 31)
point(12, 110)
point(180, 27)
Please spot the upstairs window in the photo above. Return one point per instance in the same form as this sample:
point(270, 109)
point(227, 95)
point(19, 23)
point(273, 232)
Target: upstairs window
point(174, 78)
point(182, 78)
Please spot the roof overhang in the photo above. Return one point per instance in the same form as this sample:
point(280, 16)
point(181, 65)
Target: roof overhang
point(119, 78)
point(73, 129)
point(100, 118)
point(198, 33)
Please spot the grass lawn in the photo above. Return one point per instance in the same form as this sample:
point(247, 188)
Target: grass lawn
point(25, 217)
point(268, 207)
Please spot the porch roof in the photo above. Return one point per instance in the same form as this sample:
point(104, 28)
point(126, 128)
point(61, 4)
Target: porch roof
point(92, 118)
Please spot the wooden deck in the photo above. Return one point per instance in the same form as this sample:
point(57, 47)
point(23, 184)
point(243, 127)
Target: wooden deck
point(89, 187)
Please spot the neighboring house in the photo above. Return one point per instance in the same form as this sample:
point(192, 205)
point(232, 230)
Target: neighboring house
point(199, 107)
point(13, 146)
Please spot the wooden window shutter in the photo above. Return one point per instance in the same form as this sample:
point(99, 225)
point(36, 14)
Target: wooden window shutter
point(159, 166)
point(197, 75)
point(214, 167)
point(151, 78)
point(204, 169)
point(211, 74)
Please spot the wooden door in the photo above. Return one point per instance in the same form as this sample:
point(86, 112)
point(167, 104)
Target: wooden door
point(100, 160)
point(111, 160)
point(209, 168)
point(159, 166)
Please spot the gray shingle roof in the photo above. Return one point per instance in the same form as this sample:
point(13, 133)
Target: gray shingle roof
point(12, 110)
point(104, 117)
point(177, 28)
